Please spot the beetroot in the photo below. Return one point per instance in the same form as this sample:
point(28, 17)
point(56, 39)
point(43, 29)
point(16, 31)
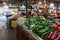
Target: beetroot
point(53, 35)
point(58, 38)
point(49, 36)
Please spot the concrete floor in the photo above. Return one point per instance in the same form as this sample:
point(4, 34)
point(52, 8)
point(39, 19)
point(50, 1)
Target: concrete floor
point(7, 34)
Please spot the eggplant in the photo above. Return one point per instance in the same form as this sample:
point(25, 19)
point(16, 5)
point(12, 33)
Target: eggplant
point(54, 35)
point(47, 36)
point(58, 38)
point(51, 33)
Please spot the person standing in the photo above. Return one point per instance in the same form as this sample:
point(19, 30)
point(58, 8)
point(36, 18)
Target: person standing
point(5, 7)
point(3, 18)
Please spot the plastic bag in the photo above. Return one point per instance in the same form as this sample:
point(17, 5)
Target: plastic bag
point(3, 21)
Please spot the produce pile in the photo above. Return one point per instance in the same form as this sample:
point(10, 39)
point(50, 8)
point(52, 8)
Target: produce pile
point(53, 35)
point(39, 25)
point(56, 25)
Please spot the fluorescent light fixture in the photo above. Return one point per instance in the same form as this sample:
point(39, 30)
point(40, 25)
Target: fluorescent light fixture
point(52, 4)
point(40, 2)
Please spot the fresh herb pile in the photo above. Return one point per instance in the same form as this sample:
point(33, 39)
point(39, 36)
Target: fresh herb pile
point(39, 25)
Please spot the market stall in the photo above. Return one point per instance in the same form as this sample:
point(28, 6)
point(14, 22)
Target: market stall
point(43, 22)
point(35, 29)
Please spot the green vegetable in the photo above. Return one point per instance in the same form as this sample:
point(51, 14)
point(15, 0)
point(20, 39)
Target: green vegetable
point(39, 25)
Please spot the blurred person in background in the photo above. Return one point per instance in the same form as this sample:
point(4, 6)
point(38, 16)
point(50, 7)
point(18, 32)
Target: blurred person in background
point(1, 8)
point(23, 9)
point(5, 7)
point(3, 19)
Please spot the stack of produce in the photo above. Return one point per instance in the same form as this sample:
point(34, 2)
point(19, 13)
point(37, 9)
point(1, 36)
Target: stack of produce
point(50, 16)
point(58, 14)
point(53, 35)
point(56, 25)
point(39, 25)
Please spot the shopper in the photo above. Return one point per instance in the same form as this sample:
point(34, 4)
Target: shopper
point(23, 9)
point(1, 8)
point(3, 18)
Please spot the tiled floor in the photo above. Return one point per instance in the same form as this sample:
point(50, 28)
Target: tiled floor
point(7, 34)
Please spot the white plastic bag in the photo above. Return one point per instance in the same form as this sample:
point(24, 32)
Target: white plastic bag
point(3, 21)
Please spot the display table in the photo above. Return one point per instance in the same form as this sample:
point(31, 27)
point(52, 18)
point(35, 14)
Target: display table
point(23, 33)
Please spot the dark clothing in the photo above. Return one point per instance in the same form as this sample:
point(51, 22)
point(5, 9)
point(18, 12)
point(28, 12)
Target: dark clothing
point(1, 2)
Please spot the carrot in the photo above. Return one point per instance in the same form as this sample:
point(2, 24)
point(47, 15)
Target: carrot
point(58, 28)
point(58, 23)
point(55, 25)
point(49, 17)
